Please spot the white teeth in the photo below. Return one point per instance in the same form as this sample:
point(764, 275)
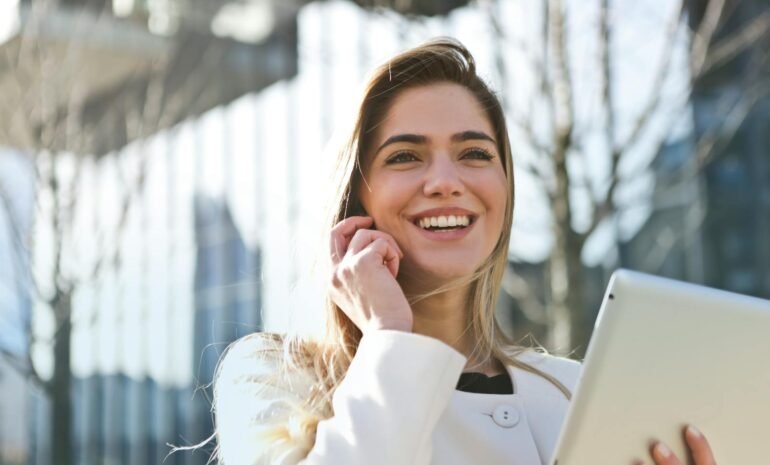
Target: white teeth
point(450, 221)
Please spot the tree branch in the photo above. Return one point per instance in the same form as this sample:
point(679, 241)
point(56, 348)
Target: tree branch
point(667, 238)
point(603, 208)
point(710, 143)
point(703, 35)
point(541, 152)
point(732, 46)
point(661, 73)
point(717, 137)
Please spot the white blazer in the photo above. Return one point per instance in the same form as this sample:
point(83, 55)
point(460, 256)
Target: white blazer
point(396, 406)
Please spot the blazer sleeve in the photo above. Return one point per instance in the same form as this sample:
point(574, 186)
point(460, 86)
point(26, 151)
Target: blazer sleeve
point(385, 409)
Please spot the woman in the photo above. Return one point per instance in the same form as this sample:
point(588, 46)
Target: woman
point(413, 368)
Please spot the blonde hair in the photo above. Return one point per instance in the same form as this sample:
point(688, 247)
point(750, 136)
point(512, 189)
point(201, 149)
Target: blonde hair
point(327, 360)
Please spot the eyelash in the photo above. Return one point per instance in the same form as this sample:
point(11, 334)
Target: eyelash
point(398, 156)
point(395, 158)
point(484, 154)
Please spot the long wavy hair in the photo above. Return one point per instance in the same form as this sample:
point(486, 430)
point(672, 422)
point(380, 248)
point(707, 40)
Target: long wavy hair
point(324, 361)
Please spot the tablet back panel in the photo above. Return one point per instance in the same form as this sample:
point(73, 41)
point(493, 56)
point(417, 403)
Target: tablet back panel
point(665, 354)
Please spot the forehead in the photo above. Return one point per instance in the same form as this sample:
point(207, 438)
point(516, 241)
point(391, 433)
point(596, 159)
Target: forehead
point(436, 111)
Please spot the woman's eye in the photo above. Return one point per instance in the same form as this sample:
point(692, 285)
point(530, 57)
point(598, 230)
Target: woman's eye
point(401, 157)
point(478, 154)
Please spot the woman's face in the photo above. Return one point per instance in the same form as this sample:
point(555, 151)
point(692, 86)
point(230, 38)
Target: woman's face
point(434, 180)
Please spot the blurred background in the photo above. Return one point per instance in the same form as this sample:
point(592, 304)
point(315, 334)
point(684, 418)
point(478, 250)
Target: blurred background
point(163, 165)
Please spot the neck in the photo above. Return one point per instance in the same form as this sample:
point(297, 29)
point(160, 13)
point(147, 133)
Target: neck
point(446, 317)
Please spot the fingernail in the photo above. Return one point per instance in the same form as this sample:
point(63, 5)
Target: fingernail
point(662, 450)
point(693, 432)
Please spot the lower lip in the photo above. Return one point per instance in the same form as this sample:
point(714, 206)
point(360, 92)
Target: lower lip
point(452, 235)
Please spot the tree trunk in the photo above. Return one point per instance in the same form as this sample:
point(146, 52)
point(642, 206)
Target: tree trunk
point(566, 308)
point(565, 283)
point(575, 296)
point(60, 385)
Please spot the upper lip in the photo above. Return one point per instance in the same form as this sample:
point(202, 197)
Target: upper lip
point(444, 211)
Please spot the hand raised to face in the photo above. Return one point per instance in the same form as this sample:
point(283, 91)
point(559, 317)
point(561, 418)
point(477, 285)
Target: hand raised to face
point(363, 282)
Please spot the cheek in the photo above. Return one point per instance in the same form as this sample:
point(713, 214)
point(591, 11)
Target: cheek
point(387, 196)
point(384, 208)
point(387, 214)
point(496, 194)
point(498, 206)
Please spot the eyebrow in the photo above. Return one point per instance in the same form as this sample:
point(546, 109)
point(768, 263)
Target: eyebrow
point(419, 139)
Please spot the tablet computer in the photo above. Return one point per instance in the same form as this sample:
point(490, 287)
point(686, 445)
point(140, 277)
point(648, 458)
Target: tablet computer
point(665, 354)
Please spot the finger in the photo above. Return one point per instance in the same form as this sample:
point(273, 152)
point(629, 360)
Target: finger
point(343, 232)
point(663, 455)
point(386, 254)
point(364, 237)
point(699, 446)
point(392, 261)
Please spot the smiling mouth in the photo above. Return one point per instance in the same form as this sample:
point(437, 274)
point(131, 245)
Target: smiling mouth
point(444, 223)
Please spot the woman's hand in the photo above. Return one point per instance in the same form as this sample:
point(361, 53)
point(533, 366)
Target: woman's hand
point(364, 269)
point(700, 450)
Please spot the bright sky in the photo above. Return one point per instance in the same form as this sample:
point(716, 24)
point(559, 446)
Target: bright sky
point(9, 18)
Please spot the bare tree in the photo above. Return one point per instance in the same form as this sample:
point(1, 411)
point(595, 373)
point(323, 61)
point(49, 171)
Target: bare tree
point(561, 162)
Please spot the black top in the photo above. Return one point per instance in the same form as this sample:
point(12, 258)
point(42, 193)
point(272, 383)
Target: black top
point(483, 384)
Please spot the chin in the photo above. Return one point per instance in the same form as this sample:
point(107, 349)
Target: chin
point(438, 272)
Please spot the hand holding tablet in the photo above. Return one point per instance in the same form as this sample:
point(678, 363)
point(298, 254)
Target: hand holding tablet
point(699, 450)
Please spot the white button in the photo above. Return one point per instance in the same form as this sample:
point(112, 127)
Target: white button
point(506, 415)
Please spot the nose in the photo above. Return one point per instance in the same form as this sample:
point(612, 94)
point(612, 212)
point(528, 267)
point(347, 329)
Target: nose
point(443, 179)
